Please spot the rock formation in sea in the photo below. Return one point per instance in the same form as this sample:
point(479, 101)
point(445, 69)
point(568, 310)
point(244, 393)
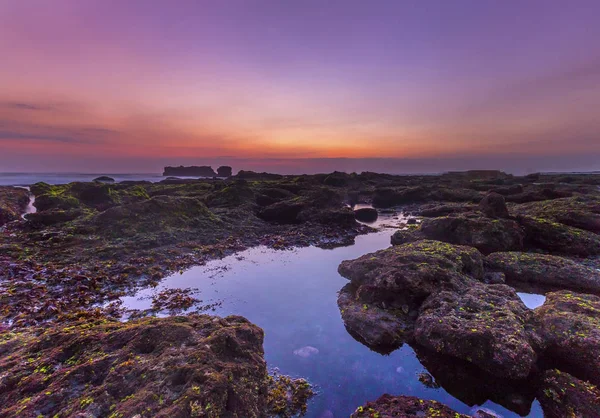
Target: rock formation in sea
point(191, 171)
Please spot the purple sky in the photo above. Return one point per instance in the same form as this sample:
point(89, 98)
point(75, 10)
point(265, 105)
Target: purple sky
point(310, 86)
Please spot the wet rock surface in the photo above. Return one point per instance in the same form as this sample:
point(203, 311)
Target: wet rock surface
point(388, 406)
point(486, 326)
point(562, 395)
point(569, 324)
point(545, 270)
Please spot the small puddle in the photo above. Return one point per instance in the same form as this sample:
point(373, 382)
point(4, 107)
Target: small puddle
point(532, 300)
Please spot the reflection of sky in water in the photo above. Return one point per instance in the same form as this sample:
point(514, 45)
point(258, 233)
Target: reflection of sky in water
point(292, 295)
point(532, 300)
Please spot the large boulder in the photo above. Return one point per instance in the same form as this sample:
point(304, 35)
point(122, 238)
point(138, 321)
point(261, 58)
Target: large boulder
point(569, 323)
point(544, 270)
point(388, 406)
point(557, 238)
point(144, 367)
point(405, 275)
point(381, 303)
point(485, 325)
point(485, 234)
point(562, 395)
point(493, 205)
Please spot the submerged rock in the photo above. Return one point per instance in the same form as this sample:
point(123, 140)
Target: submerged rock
point(562, 395)
point(486, 326)
point(388, 406)
point(544, 270)
point(306, 351)
point(177, 366)
point(569, 323)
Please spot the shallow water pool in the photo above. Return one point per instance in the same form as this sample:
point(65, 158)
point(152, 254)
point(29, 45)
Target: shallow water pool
point(292, 295)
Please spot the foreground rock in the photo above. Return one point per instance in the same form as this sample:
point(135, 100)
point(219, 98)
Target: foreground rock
point(562, 395)
point(404, 276)
point(388, 406)
point(13, 201)
point(569, 323)
point(387, 288)
point(178, 366)
point(486, 325)
point(544, 270)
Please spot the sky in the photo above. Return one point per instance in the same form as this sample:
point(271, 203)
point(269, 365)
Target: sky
point(299, 86)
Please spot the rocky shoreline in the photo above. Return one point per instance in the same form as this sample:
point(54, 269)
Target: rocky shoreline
point(447, 287)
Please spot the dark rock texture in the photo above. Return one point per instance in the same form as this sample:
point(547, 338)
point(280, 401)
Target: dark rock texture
point(493, 205)
point(544, 270)
point(569, 323)
point(191, 171)
point(486, 326)
point(388, 406)
point(562, 395)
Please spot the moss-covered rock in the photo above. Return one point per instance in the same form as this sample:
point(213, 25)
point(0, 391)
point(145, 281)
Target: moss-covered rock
point(581, 212)
point(486, 325)
point(388, 406)
point(13, 201)
point(544, 270)
point(557, 238)
point(485, 234)
point(569, 323)
point(178, 366)
point(562, 395)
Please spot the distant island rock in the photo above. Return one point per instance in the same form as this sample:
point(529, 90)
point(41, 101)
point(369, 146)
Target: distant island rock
point(104, 179)
point(224, 171)
point(198, 171)
point(192, 171)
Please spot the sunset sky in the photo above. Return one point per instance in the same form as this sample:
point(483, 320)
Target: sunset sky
point(288, 86)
